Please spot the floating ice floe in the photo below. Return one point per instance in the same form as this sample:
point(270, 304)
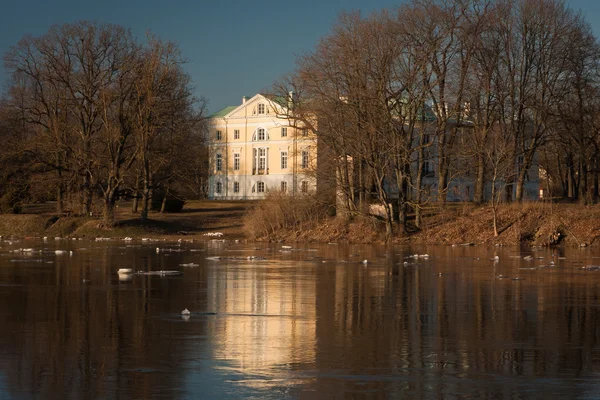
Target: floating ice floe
point(423, 256)
point(26, 251)
point(528, 258)
point(125, 271)
point(128, 239)
point(286, 247)
point(189, 265)
point(591, 268)
point(160, 273)
point(167, 250)
point(214, 234)
point(62, 252)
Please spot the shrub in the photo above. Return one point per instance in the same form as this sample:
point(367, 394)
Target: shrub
point(282, 211)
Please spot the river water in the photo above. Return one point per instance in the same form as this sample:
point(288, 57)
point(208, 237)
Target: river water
point(312, 322)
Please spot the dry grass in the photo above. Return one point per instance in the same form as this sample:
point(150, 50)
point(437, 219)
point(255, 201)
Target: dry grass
point(22, 225)
point(529, 223)
point(304, 219)
point(281, 214)
point(533, 223)
point(197, 218)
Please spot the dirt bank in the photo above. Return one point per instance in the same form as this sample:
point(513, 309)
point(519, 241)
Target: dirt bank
point(532, 223)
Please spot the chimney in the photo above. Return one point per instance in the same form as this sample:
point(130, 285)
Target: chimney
point(244, 98)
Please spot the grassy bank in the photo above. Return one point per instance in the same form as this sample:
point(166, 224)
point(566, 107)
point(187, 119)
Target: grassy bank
point(531, 223)
point(537, 224)
point(196, 219)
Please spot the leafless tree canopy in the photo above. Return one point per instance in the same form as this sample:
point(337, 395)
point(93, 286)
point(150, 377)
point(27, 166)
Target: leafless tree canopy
point(100, 114)
point(485, 88)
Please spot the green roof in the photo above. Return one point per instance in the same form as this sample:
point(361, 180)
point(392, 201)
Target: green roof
point(281, 100)
point(223, 112)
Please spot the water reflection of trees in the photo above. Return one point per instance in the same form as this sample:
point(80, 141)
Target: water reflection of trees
point(409, 330)
point(90, 339)
point(330, 329)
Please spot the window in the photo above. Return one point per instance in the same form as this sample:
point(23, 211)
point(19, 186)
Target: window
point(236, 133)
point(284, 132)
point(236, 187)
point(219, 135)
point(304, 158)
point(236, 161)
point(426, 139)
point(283, 186)
point(262, 158)
point(260, 134)
point(219, 162)
point(284, 159)
point(219, 188)
point(304, 132)
point(261, 108)
point(304, 187)
point(428, 168)
point(260, 187)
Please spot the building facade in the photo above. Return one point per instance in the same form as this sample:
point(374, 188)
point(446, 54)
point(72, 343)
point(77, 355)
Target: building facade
point(254, 149)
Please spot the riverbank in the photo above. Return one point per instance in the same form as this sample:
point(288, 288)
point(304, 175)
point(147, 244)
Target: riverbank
point(197, 219)
point(537, 224)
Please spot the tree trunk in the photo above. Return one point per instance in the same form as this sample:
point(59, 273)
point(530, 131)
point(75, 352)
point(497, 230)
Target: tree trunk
point(570, 181)
point(136, 201)
point(136, 198)
point(582, 192)
point(403, 197)
point(520, 186)
point(163, 205)
point(361, 188)
point(480, 182)
point(442, 169)
point(60, 197)
point(595, 177)
point(108, 214)
point(146, 193)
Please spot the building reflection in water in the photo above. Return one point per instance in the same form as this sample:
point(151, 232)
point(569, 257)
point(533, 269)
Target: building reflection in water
point(442, 327)
point(268, 316)
point(301, 327)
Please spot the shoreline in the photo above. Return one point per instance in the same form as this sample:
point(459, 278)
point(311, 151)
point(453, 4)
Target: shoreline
point(534, 224)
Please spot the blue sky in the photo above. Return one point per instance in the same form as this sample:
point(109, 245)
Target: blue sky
point(234, 48)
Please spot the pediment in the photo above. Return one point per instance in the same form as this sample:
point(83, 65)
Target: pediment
point(256, 106)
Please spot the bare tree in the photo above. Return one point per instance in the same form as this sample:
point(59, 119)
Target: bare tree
point(96, 100)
